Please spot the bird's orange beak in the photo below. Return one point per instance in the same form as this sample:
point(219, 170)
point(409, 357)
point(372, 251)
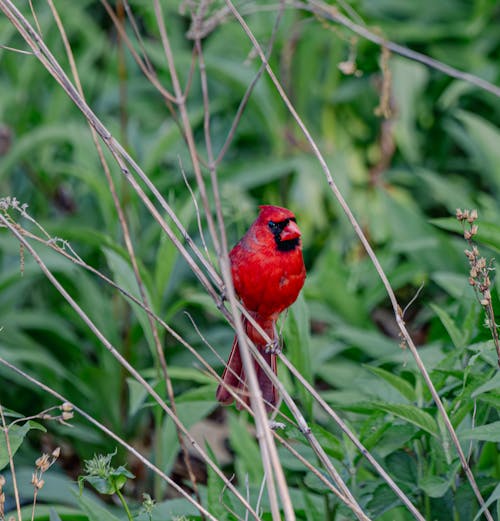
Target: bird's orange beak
point(290, 232)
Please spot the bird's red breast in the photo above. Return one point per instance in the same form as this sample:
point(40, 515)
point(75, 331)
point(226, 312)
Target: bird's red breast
point(267, 264)
point(268, 273)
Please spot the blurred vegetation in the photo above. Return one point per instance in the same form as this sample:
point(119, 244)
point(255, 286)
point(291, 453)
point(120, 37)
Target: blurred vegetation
point(403, 176)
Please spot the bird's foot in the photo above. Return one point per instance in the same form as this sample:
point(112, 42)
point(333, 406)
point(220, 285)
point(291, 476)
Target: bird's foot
point(222, 298)
point(274, 347)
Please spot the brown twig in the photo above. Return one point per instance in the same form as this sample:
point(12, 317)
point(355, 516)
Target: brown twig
point(271, 462)
point(111, 434)
point(369, 250)
point(123, 362)
point(5, 429)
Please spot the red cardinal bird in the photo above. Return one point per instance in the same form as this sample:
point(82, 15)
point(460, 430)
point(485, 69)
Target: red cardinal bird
point(268, 273)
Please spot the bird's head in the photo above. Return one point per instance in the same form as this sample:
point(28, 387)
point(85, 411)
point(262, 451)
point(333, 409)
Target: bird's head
point(281, 225)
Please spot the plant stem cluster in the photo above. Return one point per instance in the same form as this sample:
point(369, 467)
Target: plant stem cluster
point(480, 268)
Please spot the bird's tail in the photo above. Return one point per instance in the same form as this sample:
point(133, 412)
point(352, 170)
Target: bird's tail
point(234, 376)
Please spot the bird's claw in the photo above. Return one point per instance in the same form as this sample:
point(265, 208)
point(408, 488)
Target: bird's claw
point(273, 347)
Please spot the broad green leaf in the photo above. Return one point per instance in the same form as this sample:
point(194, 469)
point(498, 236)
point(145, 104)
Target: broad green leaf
point(435, 486)
point(215, 486)
point(137, 395)
point(313, 482)
point(188, 374)
point(189, 413)
point(248, 457)
point(453, 283)
point(489, 432)
point(297, 338)
point(94, 510)
point(494, 496)
point(123, 275)
point(54, 516)
point(488, 233)
point(408, 82)
point(16, 435)
point(456, 335)
point(400, 384)
point(412, 414)
point(482, 144)
point(403, 467)
point(494, 383)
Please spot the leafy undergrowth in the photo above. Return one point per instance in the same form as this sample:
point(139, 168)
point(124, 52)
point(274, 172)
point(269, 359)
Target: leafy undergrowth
point(403, 177)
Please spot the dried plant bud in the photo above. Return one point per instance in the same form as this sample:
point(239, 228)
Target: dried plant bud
point(2, 481)
point(56, 452)
point(472, 216)
point(43, 462)
point(66, 407)
point(473, 272)
point(469, 254)
point(472, 282)
point(475, 251)
point(484, 302)
point(473, 229)
point(481, 263)
point(40, 483)
point(459, 214)
point(467, 235)
point(67, 416)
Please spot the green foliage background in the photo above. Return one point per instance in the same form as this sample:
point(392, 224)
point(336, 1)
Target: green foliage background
point(403, 177)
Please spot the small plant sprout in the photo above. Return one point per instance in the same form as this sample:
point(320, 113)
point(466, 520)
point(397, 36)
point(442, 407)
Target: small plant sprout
point(42, 464)
point(479, 275)
point(148, 505)
point(105, 478)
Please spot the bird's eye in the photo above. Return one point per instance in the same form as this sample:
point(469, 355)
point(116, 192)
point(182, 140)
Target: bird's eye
point(272, 225)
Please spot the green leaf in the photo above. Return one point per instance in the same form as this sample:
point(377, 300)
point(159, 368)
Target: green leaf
point(456, 335)
point(494, 383)
point(400, 384)
point(488, 233)
point(489, 432)
point(124, 276)
point(248, 458)
point(297, 337)
point(54, 516)
point(189, 413)
point(94, 510)
point(215, 486)
point(412, 414)
point(494, 496)
point(435, 486)
point(409, 80)
point(16, 434)
point(403, 467)
point(481, 141)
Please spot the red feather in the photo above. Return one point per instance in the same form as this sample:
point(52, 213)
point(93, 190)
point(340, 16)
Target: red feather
point(268, 273)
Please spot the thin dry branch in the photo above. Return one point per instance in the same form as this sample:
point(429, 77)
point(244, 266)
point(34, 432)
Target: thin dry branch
point(53, 244)
point(123, 362)
point(11, 463)
point(331, 13)
point(369, 250)
point(111, 434)
point(130, 249)
point(43, 54)
point(272, 466)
